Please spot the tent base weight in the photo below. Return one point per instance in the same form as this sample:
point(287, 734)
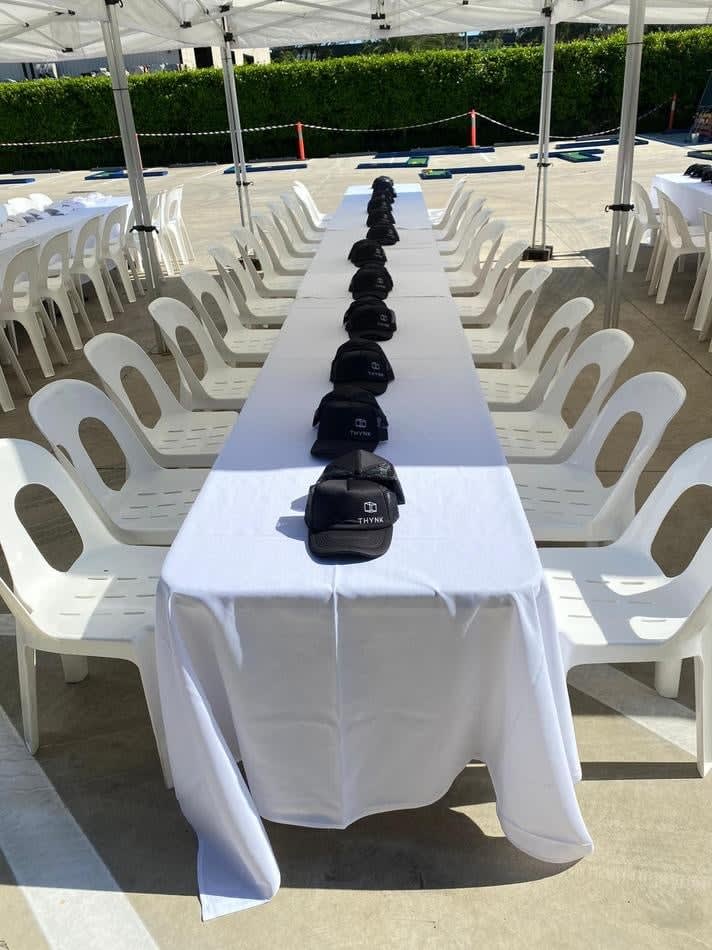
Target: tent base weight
point(538, 253)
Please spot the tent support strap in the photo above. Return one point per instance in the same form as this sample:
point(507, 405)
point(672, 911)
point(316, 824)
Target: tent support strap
point(540, 251)
point(621, 206)
point(132, 157)
point(233, 115)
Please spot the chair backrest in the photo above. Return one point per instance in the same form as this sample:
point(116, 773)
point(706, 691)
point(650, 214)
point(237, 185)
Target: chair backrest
point(235, 280)
point(171, 316)
point(489, 237)
point(656, 398)
point(201, 285)
point(673, 223)
point(294, 211)
point(459, 208)
point(40, 201)
point(249, 244)
point(707, 224)
point(22, 464)
point(87, 247)
point(305, 196)
point(109, 355)
point(500, 277)
point(566, 321)
point(58, 410)
point(516, 312)
point(606, 349)
point(22, 266)
point(472, 219)
point(19, 205)
point(644, 210)
point(54, 256)
point(270, 237)
point(174, 204)
point(113, 231)
point(454, 194)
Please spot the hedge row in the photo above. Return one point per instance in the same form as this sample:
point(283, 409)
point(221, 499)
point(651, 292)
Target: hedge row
point(354, 92)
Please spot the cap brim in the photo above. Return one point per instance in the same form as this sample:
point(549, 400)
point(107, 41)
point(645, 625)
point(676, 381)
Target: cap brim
point(374, 334)
point(371, 386)
point(362, 542)
point(332, 449)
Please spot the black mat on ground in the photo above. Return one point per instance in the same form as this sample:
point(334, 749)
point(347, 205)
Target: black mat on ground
point(416, 161)
point(585, 151)
point(441, 150)
point(584, 143)
point(17, 181)
point(704, 154)
point(230, 170)
point(121, 173)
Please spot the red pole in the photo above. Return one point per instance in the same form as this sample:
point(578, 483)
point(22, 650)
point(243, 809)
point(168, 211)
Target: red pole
point(300, 142)
point(473, 128)
point(673, 106)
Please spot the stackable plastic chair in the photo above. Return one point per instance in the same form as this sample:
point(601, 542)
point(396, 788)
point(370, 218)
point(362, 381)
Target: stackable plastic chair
point(439, 216)
point(298, 222)
point(173, 230)
point(18, 205)
point(677, 241)
point(455, 260)
point(254, 311)
point(473, 273)
point(283, 221)
point(39, 201)
point(646, 220)
point(482, 309)
point(103, 605)
point(269, 283)
point(237, 345)
point(448, 230)
point(454, 250)
point(87, 262)
point(150, 506)
point(615, 605)
point(542, 434)
point(700, 304)
point(179, 438)
point(114, 248)
point(504, 341)
point(57, 286)
point(566, 501)
point(7, 355)
point(21, 302)
point(277, 251)
point(524, 386)
point(316, 218)
point(222, 386)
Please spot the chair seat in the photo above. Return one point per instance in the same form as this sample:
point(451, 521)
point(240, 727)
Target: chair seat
point(562, 502)
point(505, 385)
point(614, 597)
point(231, 385)
point(191, 438)
point(108, 595)
point(470, 308)
point(529, 435)
point(254, 344)
point(156, 505)
point(286, 285)
point(483, 342)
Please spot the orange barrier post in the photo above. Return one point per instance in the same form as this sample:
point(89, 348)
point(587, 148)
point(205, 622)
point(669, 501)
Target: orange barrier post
point(300, 142)
point(673, 106)
point(473, 128)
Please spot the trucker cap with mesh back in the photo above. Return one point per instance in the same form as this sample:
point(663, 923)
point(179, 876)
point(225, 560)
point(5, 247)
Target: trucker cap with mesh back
point(350, 517)
point(362, 363)
point(348, 418)
point(370, 319)
point(362, 464)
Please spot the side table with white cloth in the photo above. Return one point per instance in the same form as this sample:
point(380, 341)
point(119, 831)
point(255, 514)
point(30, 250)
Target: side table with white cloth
point(345, 688)
point(691, 195)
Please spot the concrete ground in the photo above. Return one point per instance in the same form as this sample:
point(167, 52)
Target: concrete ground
point(94, 851)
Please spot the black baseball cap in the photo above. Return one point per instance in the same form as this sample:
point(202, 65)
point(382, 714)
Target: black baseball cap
point(350, 517)
point(382, 181)
point(362, 464)
point(382, 200)
point(370, 319)
point(348, 417)
point(362, 362)
point(382, 215)
point(383, 233)
point(371, 280)
point(367, 250)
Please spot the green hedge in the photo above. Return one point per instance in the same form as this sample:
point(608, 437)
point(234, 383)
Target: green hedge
point(358, 91)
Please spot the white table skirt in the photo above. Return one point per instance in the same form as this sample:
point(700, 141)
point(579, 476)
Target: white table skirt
point(353, 688)
point(690, 194)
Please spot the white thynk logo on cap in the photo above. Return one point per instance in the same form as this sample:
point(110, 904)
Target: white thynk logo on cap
point(360, 423)
point(370, 507)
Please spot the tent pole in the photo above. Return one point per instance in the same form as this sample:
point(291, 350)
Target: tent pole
point(621, 206)
point(132, 156)
point(233, 115)
point(542, 251)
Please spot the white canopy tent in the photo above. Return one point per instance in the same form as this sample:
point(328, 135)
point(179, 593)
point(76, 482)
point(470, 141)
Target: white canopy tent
point(49, 30)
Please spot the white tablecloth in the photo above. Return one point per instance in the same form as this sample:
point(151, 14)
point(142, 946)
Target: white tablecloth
point(690, 194)
point(353, 688)
point(351, 213)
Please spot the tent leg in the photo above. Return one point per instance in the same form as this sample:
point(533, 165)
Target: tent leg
point(132, 157)
point(233, 115)
point(541, 251)
point(621, 206)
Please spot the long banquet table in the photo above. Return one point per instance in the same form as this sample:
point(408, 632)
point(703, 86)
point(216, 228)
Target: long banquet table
point(347, 689)
point(691, 195)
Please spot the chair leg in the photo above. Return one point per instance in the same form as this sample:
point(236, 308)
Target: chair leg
point(665, 275)
point(696, 292)
point(635, 240)
point(27, 671)
point(52, 334)
point(111, 287)
point(703, 707)
point(138, 283)
point(101, 293)
point(32, 326)
point(75, 667)
point(667, 678)
point(6, 401)
point(13, 361)
point(146, 662)
point(78, 302)
point(654, 257)
point(61, 300)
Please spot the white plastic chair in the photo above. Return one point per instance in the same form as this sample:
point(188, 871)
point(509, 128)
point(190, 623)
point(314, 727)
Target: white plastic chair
point(39, 201)
point(470, 278)
point(677, 242)
point(254, 311)
point(222, 386)
point(179, 438)
point(278, 252)
point(482, 309)
point(103, 605)
point(455, 260)
point(296, 247)
point(17, 206)
point(448, 229)
point(114, 248)
point(269, 283)
point(174, 232)
point(7, 355)
point(645, 221)
point(316, 218)
point(700, 303)
point(454, 250)
point(615, 605)
point(150, 506)
point(56, 285)
point(21, 302)
point(298, 222)
point(567, 501)
point(524, 386)
point(87, 262)
point(237, 345)
point(542, 434)
point(504, 341)
point(439, 216)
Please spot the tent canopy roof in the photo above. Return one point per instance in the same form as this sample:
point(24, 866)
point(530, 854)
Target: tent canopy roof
point(51, 30)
